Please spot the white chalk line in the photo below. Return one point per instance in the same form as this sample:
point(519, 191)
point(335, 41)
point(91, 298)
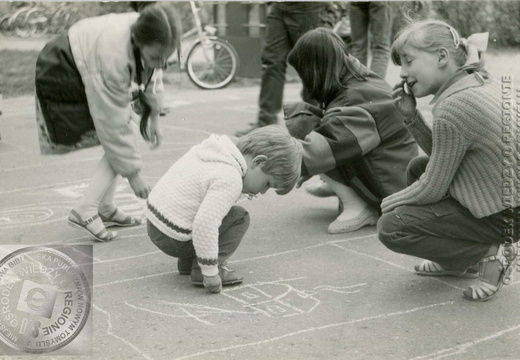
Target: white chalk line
point(172, 127)
point(72, 182)
point(18, 149)
point(394, 265)
point(188, 314)
point(128, 257)
point(41, 187)
point(316, 328)
point(301, 249)
point(206, 309)
point(111, 333)
point(134, 279)
point(59, 163)
point(90, 237)
point(233, 262)
point(462, 348)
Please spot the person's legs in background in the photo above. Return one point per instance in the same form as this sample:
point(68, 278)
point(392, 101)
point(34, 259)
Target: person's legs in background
point(274, 54)
point(274, 66)
point(359, 20)
point(380, 30)
point(283, 28)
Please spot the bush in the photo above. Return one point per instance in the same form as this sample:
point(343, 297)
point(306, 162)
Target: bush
point(94, 8)
point(500, 18)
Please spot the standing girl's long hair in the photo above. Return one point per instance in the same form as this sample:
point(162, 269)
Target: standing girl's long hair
point(321, 59)
point(157, 24)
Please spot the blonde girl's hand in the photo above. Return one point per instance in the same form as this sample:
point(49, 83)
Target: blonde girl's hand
point(404, 100)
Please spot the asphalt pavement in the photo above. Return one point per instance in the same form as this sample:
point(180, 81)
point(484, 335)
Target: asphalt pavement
point(306, 294)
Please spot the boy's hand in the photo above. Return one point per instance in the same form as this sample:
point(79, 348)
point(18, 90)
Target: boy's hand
point(213, 283)
point(404, 100)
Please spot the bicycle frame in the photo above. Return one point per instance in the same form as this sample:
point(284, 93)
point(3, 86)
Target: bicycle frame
point(202, 34)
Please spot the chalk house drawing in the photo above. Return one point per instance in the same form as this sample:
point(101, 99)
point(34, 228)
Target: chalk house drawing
point(270, 299)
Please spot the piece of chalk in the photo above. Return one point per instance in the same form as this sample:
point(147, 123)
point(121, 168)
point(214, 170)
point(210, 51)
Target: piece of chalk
point(405, 87)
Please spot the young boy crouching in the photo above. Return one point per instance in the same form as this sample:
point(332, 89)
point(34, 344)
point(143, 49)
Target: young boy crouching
point(191, 212)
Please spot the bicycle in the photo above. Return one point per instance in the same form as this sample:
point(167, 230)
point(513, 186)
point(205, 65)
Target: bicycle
point(38, 20)
point(211, 63)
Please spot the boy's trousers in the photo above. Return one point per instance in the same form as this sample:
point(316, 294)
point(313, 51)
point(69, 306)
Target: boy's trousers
point(234, 226)
point(444, 232)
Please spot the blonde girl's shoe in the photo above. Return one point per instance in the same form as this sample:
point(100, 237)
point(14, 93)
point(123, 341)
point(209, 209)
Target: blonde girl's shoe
point(430, 268)
point(89, 225)
point(494, 272)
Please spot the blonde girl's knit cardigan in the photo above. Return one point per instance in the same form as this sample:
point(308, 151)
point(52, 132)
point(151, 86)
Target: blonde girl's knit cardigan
point(466, 149)
point(196, 193)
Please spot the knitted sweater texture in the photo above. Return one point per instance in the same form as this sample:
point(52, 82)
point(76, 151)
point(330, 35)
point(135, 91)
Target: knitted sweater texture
point(196, 193)
point(465, 146)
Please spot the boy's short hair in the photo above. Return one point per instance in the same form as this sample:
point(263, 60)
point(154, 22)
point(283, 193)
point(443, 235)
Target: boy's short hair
point(284, 153)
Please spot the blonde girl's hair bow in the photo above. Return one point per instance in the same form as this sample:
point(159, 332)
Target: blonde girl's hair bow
point(474, 44)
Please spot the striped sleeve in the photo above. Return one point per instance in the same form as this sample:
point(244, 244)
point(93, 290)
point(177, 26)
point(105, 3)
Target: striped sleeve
point(344, 134)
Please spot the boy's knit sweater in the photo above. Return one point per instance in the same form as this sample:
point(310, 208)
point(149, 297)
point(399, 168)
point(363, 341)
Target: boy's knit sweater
point(465, 146)
point(196, 193)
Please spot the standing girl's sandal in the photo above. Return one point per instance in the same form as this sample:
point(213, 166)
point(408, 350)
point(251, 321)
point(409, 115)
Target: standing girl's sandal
point(77, 222)
point(494, 272)
point(111, 220)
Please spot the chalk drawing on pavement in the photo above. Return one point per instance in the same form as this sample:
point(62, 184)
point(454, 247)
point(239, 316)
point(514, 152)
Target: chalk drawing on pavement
point(53, 211)
point(26, 216)
point(269, 299)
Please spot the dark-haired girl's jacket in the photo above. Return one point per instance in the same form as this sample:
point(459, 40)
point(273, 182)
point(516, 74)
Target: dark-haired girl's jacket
point(360, 133)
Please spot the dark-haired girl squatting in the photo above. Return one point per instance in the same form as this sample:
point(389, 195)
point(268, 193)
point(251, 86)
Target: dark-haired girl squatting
point(84, 85)
point(350, 129)
point(452, 212)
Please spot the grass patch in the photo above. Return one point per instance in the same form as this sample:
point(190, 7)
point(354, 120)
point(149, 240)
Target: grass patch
point(17, 72)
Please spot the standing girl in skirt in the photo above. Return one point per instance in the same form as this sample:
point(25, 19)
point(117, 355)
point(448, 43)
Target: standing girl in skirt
point(84, 85)
point(454, 212)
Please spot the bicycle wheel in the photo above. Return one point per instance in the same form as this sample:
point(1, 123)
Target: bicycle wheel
point(19, 23)
point(5, 27)
point(212, 65)
point(37, 23)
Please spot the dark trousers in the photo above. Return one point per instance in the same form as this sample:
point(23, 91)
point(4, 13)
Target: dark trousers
point(231, 231)
point(444, 232)
point(285, 24)
point(373, 16)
